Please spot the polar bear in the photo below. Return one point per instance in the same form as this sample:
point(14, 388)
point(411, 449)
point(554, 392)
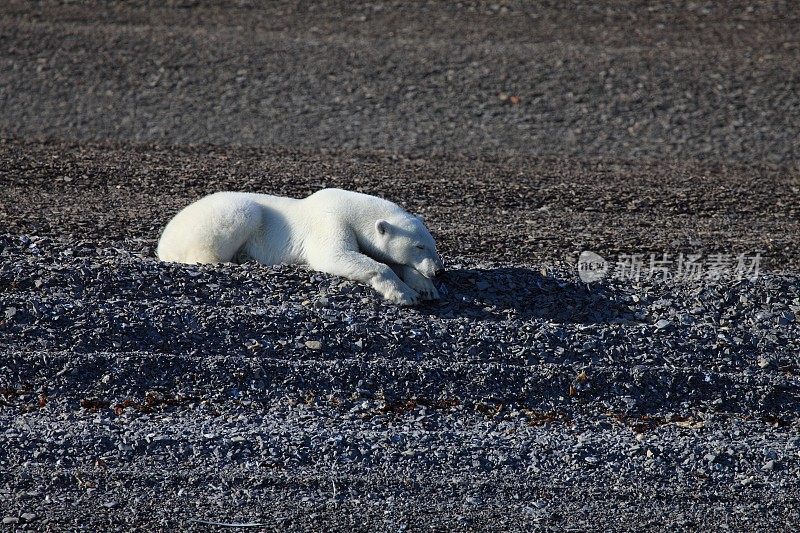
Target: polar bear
point(349, 234)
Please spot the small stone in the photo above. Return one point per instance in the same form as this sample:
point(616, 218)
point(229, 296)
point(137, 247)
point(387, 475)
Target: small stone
point(10, 520)
point(709, 458)
point(771, 454)
point(110, 505)
point(314, 345)
point(252, 344)
point(769, 466)
point(10, 312)
point(663, 323)
point(29, 517)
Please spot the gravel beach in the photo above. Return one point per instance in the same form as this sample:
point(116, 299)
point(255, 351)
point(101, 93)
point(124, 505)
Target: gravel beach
point(139, 395)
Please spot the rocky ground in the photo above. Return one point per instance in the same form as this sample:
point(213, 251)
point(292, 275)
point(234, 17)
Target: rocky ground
point(140, 395)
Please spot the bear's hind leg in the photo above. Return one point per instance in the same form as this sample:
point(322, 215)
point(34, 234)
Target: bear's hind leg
point(201, 256)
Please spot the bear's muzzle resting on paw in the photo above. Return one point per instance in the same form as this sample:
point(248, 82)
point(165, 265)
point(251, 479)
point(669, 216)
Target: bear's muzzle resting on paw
point(348, 234)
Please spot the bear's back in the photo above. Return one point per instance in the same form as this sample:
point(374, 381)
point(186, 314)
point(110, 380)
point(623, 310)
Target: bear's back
point(344, 200)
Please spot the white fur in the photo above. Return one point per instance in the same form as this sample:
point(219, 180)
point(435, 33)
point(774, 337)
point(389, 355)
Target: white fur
point(357, 236)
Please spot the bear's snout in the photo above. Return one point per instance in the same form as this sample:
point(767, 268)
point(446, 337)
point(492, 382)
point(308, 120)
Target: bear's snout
point(439, 266)
point(430, 268)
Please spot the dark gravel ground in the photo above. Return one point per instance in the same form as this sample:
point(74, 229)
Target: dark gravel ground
point(621, 79)
point(141, 395)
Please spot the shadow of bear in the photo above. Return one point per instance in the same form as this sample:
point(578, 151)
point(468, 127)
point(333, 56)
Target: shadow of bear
point(508, 293)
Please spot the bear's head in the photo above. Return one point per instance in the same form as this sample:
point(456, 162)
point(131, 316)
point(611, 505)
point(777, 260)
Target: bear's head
point(404, 240)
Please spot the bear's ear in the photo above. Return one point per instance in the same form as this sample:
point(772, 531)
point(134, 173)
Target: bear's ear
point(382, 226)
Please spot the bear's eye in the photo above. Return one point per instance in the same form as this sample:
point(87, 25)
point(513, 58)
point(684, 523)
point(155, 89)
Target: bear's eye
point(420, 247)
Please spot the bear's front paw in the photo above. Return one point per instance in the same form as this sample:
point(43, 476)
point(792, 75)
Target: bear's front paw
point(402, 296)
point(422, 285)
point(397, 292)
